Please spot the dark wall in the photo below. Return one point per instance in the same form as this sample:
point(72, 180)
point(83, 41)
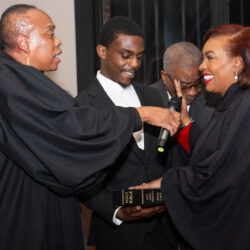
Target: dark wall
point(88, 16)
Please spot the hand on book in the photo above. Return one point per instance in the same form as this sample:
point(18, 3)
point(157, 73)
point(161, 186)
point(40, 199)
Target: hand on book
point(139, 202)
point(138, 212)
point(152, 184)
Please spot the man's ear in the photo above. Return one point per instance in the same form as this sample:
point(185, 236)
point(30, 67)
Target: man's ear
point(163, 77)
point(23, 43)
point(101, 51)
point(238, 64)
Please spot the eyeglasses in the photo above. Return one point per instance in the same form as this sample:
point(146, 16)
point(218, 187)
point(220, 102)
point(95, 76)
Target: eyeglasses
point(197, 84)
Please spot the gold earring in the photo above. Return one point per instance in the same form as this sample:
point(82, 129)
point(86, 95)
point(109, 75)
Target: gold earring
point(28, 61)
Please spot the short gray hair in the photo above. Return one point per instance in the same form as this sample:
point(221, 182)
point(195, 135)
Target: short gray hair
point(185, 54)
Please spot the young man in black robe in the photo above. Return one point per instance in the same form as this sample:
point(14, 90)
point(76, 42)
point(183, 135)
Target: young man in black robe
point(50, 148)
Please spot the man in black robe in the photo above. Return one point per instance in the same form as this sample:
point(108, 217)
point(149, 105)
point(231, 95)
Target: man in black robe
point(50, 148)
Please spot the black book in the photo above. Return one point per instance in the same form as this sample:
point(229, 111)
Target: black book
point(133, 197)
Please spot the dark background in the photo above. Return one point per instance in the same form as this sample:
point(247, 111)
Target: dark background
point(164, 22)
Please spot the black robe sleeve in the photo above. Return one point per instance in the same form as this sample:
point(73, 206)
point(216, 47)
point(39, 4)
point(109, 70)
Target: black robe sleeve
point(209, 201)
point(194, 135)
point(59, 144)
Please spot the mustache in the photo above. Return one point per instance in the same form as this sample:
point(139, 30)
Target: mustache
point(132, 70)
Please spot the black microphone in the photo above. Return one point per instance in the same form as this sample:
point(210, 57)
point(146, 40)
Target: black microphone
point(175, 105)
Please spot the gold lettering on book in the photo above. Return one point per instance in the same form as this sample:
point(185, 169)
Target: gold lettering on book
point(127, 197)
point(123, 197)
point(130, 197)
point(150, 197)
point(142, 196)
point(159, 196)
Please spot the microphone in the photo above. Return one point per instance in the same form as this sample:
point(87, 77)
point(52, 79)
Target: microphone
point(175, 105)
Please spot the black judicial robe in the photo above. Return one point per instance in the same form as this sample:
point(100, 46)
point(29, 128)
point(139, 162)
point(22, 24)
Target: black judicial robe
point(50, 149)
point(209, 201)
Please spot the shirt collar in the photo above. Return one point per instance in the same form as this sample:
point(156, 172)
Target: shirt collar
point(109, 85)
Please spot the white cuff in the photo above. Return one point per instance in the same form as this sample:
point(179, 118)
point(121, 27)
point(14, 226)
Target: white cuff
point(117, 221)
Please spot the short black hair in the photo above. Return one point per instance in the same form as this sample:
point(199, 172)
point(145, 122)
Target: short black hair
point(8, 27)
point(118, 25)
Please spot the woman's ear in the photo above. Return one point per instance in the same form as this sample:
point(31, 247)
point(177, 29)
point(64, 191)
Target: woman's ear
point(23, 43)
point(238, 64)
point(101, 51)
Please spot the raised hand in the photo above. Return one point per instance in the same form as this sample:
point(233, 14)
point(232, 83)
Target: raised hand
point(185, 118)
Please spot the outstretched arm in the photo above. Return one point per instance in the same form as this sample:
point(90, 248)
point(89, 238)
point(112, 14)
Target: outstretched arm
point(160, 117)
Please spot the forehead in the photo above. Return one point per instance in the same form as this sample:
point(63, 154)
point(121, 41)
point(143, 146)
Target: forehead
point(40, 19)
point(186, 74)
point(216, 44)
point(127, 42)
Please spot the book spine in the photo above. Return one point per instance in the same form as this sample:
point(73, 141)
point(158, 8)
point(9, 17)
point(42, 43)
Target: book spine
point(132, 197)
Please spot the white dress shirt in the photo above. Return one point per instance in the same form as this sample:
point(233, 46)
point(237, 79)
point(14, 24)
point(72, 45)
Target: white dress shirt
point(123, 97)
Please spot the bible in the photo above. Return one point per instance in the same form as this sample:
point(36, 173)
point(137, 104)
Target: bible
point(133, 197)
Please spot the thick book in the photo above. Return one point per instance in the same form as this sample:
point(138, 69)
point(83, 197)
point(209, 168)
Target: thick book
point(133, 197)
